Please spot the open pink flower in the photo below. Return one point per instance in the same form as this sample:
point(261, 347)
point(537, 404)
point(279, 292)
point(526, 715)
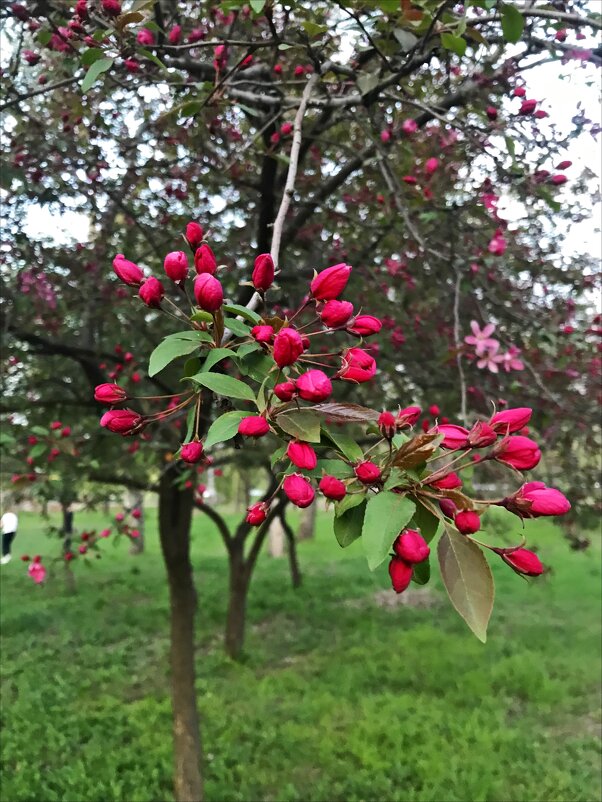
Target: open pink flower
point(481, 338)
point(491, 359)
point(37, 572)
point(510, 361)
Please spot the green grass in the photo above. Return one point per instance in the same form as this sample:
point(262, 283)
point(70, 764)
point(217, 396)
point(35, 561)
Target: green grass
point(340, 696)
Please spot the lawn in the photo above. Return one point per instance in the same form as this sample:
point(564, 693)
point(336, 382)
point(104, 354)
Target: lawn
point(343, 694)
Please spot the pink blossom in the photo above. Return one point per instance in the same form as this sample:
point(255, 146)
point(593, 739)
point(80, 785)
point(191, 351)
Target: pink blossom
point(509, 360)
point(37, 572)
point(491, 359)
point(481, 338)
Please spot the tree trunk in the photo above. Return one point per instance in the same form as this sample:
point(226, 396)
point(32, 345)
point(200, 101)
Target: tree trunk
point(307, 526)
point(293, 559)
point(175, 513)
point(67, 532)
point(237, 601)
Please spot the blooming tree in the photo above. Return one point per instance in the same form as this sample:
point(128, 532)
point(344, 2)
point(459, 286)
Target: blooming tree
point(393, 134)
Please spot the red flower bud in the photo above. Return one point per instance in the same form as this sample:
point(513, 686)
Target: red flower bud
point(491, 112)
point(408, 417)
point(152, 292)
point(127, 271)
point(122, 421)
point(387, 425)
point(467, 522)
point(448, 482)
point(564, 165)
point(257, 513)
point(447, 507)
point(285, 391)
point(204, 260)
point(194, 235)
point(66, 431)
point(336, 313)
point(534, 499)
point(356, 366)
point(519, 452)
point(481, 435)
point(330, 283)
point(208, 292)
point(263, 272)
point(298, 489)
point(367, 472)
point(253, 426)
point(558, 179)
point(400, 573)
point(431, 165)
point(522, 561)
point(302, 455)
point(192, 452)
point(314, 385)
point(32, 439)
point(527, 107)
point(112, 8)
point(455, 437)
point(263, 334)
point(510, 420)
point(332, 488)
point(176, 266)
point(110, 394)
point(288, 347)
point(411, 546)
point(365, 325)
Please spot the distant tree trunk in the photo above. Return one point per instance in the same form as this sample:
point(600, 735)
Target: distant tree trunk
point(175, 514)
point(293, 559)
point(307, 527)
point(106, 507)
point(237, 600)
point(137, 546)
point(67, 532)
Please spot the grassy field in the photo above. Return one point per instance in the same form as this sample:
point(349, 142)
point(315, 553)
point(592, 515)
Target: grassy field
point(343, 694)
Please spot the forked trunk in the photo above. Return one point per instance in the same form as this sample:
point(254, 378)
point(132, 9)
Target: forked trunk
point(237, 601)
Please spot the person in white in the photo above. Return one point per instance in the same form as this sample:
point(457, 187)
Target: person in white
point(8, 525)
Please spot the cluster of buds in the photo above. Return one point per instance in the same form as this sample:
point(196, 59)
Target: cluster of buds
point(36, 569)
point(296, 373)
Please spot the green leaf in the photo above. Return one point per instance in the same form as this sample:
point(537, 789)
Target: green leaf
point(257, 5)
point(257, 366)
point(225, 386)
point(44, 37)
point(202, 317)
point(214, 356)
point(38, 450)
point(394, 479)
point(313, 29)
point(190, 423)
point(513, 23)
point(332, 467)
point(349, 501)
point(225, 427)
point(247, 349)
point(422, 572)
point(151, 57)
point(346, 445)
point(386, 515)
point(467, 579)
point(454, 43)
point(95, 71)
point(510, 146)
point(300, 423)
point(189, 109)
point(174, 346)
point(237, 327)
point(277, 455)
point(367, 82)
point(40, 431)
point(242, 311)
point(406, 39)
point(426, 521)
point(348, 525)
point(191, 366)
point(91, 55)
